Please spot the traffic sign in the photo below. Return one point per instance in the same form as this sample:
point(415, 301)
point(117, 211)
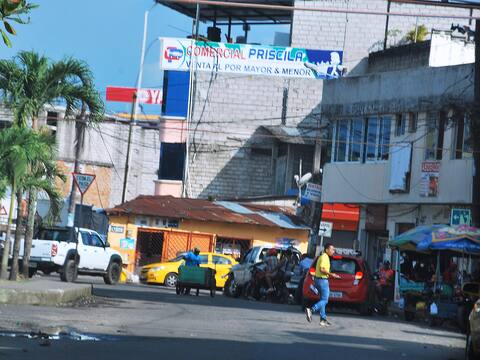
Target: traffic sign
point(126, 94)
point(83, 181)
point(461, 217)
point(325, 229)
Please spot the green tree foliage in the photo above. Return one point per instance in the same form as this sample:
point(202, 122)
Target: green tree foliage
point(13, 11)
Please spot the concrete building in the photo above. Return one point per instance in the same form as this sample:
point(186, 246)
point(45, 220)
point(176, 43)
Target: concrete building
point(400, 144)
point(249, 132)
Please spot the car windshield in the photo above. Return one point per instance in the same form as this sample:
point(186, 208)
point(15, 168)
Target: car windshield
point(178, 258)
point(344, 266)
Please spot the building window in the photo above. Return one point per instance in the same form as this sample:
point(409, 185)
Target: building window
point(400, 124)
point(341, 140)
point(172, 160)
point(52, 118)
point(462, 142)
point(348, 140)
point(384, 138)
point(434, 137)
point(377, 139)
point(355, 140)
point(412, 122)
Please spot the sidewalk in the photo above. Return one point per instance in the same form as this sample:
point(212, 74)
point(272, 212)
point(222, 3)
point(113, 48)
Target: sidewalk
point(42, 292)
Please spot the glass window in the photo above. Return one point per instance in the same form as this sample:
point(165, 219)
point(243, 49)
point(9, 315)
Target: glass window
point(203, 259)
point(400, 124)
point(220, 260)
point(355, 140)
point(248, 256)
point(431, 136)
point(344, 266)
point(96, 240)
point(372, 133)
point(172, 159)
point(384, 140)
point(462, 143)
point(412, 122)
point(86, 238)
point(341, 140)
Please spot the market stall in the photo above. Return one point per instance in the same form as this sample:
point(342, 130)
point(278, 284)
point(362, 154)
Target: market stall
point(435, 261)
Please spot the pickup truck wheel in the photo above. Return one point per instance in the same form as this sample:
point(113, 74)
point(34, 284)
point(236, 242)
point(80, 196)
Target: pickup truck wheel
point(31, 272)
point(113, 274)
point(70, 271)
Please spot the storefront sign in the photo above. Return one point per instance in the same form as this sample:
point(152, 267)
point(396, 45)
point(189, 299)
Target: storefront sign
point(117, 229)
point(461, 217)
point(313, 192)
point(127, 244)
point(176, 54)
point(429, 180)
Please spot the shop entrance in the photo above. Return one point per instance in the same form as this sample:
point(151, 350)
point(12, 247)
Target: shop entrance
point(149, 247)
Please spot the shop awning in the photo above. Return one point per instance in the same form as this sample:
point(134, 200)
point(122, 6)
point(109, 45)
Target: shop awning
point(345, 217)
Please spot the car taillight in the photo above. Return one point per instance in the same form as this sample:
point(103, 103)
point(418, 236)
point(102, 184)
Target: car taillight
point(359, 275)
point(54, 250)
point(337, 257)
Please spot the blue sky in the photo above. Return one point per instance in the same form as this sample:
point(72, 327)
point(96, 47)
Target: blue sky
point(107, 35)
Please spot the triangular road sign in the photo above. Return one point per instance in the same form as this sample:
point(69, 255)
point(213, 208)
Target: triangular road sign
point(83, 181)
point(3, 211)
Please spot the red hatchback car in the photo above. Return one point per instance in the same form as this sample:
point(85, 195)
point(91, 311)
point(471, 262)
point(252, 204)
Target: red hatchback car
point(354, 289)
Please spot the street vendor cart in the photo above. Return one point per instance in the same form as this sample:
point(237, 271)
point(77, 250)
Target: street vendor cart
point(194, 277)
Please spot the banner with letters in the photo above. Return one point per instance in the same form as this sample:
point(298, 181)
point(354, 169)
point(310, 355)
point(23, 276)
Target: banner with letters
point(177, 54)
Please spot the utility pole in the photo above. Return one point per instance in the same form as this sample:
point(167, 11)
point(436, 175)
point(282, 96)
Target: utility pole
point(317, 207)
point(475, 130)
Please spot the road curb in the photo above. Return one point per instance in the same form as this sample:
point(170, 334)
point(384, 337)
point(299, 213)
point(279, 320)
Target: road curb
point(22, 295)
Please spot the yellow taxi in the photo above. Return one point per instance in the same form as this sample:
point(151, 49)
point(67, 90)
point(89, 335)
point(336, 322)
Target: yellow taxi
point(166, 273)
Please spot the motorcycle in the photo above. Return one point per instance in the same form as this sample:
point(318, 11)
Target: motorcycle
point(257, 287)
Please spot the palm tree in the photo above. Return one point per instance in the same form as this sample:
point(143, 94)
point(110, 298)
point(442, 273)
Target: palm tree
point(40, 176)
point(29, 82)
point(14, 159)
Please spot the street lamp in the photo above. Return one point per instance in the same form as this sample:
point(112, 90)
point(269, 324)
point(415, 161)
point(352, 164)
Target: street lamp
point(135, 102)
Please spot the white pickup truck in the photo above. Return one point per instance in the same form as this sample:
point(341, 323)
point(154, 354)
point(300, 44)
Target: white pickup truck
point(54, 249)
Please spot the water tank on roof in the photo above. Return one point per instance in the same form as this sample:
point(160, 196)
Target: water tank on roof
point(214, 34)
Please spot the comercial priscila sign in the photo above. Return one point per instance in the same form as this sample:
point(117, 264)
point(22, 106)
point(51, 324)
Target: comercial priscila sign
point(177, 54)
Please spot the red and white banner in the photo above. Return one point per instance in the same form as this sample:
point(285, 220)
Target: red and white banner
point(126, 94)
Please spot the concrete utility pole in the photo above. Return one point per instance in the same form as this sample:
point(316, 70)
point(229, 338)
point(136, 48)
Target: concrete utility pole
point(317, 207)
point(475, 127)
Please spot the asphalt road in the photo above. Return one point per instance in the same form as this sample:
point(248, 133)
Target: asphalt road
point(136, 321)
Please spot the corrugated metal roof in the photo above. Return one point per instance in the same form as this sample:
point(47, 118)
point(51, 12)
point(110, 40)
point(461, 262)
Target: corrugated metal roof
point(203, 210)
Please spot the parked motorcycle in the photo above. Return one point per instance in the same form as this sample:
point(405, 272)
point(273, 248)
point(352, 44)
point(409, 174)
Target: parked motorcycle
point(257, 287)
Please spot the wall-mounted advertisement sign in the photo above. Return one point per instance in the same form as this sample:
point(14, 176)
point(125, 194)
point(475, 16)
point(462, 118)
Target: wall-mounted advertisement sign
point(429, 181)
point(176, 54)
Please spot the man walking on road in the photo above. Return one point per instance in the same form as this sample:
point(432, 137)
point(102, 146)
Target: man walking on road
point(322, 274)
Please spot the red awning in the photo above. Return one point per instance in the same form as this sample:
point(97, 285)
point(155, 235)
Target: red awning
point(345, 217)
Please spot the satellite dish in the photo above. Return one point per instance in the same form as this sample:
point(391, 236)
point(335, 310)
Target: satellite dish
point(305, 178)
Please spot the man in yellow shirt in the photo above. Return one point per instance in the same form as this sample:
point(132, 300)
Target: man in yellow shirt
point(322, 274)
